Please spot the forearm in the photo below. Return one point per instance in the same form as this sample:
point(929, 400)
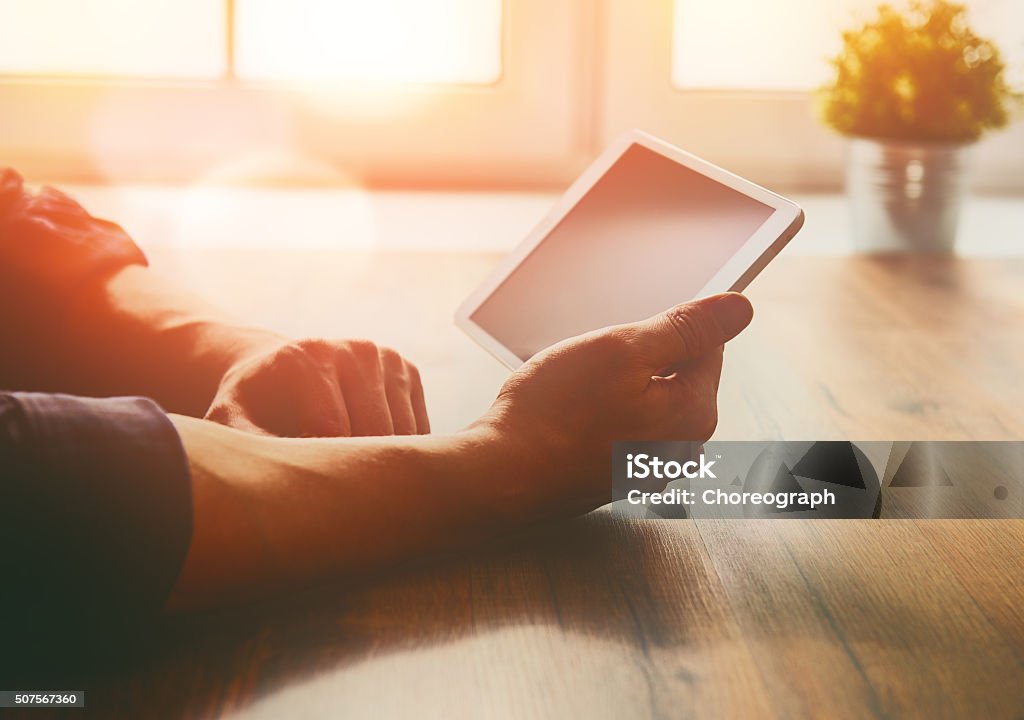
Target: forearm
point(274, 513)
point(134, 333)
point(80, 313)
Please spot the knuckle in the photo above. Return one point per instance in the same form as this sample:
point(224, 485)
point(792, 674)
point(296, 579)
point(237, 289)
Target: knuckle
point(364, 351)
point(294, 356)
point(391, 358)
point(399, 367)
point(628, 335)
point(414, 372)
point(311, 346)
point(689, 326)
point(613, 341)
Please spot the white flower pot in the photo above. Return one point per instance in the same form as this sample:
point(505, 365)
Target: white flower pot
point(905, 197)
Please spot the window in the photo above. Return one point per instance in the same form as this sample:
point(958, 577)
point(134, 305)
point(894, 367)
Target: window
point(750, 45)
point(452, 93)
point(444, 41)
point(112, 38)
point(391, 92)
point(736, 44)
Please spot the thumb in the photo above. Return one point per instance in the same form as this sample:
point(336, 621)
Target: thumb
point(695, 328)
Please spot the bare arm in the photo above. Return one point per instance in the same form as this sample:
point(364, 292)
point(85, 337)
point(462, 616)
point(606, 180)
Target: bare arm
point(135, 333)
point(274, 512)
point(82, 314)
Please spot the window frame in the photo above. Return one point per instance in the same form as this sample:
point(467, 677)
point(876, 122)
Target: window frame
point(575, 75)
point(529, 128)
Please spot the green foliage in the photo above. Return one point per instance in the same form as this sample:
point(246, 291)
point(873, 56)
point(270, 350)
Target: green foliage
point(920, 75)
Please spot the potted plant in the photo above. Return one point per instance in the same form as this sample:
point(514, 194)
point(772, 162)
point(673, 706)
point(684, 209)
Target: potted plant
point(913, 90)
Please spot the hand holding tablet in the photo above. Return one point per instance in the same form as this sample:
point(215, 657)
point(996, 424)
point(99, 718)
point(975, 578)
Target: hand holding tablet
point(646, 227)
point(558, 416)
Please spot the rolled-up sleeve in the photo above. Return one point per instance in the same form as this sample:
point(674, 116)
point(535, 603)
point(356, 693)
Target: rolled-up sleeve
point(95, 514)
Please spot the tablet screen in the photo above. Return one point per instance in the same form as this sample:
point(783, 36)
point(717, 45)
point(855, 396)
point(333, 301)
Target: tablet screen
point(648, 235)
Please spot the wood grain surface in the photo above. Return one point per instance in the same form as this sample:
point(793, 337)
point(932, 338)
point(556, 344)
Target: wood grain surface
point(602, 617)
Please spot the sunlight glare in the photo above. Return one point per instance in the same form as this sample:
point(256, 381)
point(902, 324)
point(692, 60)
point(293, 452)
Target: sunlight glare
point(404, 41)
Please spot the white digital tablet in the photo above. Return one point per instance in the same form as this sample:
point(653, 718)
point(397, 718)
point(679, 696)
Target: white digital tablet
point(647, 226)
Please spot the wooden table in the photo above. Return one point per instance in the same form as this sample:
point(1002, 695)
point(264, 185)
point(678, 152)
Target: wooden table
point(602, 617)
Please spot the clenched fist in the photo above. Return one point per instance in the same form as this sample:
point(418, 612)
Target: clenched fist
point(322, 388)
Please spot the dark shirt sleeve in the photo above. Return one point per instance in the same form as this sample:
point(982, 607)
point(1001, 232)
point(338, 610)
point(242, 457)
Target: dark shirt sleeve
point(95, 517)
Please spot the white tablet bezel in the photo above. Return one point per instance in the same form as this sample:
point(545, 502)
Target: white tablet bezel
point(784, 222)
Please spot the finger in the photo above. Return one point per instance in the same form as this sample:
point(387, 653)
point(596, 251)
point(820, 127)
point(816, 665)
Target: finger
point(362, 384)
point(419, 402)
point(693, 329)
point(403, 419)
point(296, 396)
point(706, 370)
point(321, 410)
point(715, 366)
point(316, 403)
point(397, 388)
point(285, 404)
point(694, 395)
